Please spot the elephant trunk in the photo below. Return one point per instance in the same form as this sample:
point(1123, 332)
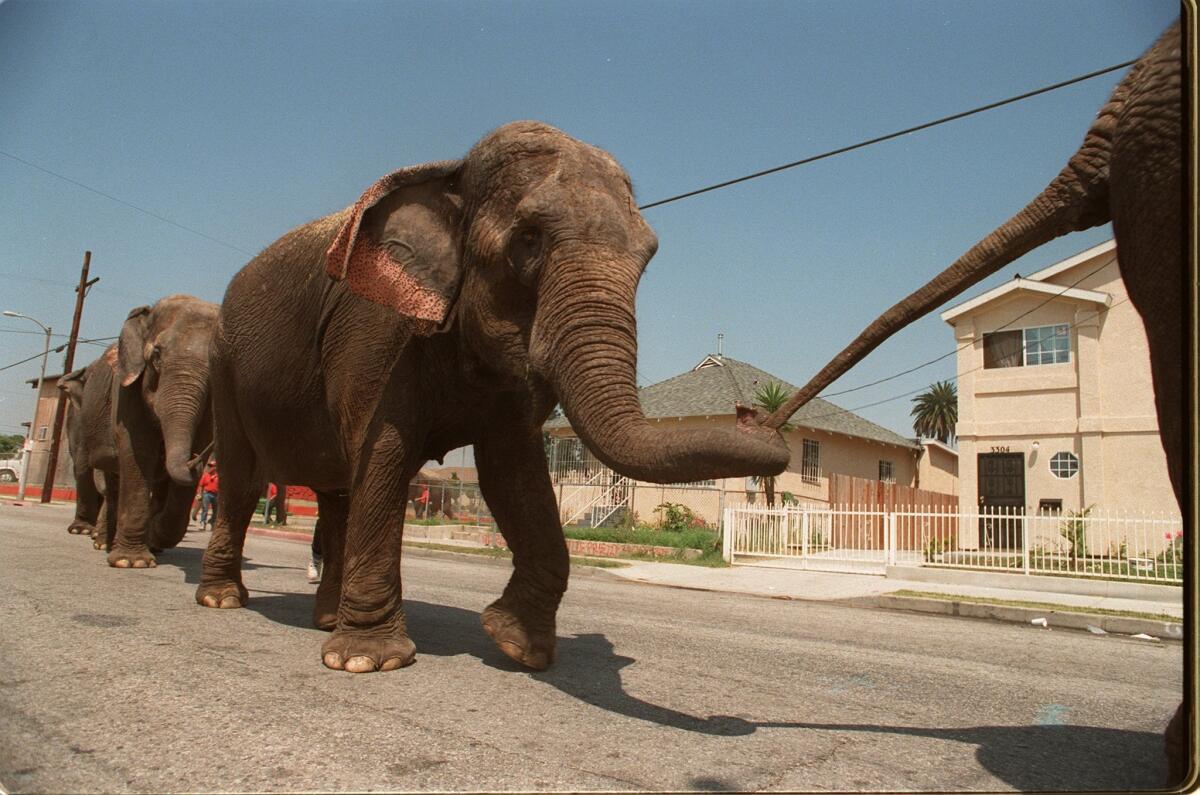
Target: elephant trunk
point(1074, 200)
point(184, 420)
point(585, 343)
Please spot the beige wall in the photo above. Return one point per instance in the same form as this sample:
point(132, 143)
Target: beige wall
point(46, 407)
point(839, 453)
point(938, 469)
point(1098, 406)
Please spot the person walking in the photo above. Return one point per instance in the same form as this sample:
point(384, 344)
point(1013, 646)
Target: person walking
point(208, 496)
point(271, 504)
point(315, 564)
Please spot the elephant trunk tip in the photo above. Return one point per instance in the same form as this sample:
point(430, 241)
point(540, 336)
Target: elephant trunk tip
point(180, 471)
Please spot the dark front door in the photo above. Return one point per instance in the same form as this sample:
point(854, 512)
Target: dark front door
point(1001, 499)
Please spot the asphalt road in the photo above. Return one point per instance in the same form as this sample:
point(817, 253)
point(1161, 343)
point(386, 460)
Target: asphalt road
point(115, 680)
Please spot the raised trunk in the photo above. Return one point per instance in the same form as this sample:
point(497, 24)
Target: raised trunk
point(1076, 199)
point(586, 344)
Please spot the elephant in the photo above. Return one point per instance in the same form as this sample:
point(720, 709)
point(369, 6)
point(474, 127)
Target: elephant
point(1127, 171)
point(454, 303)
point(88, 498)
point(161, 417)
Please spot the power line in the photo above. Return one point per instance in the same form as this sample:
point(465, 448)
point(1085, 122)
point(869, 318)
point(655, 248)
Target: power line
point(889, 136)
point(1059, 294)
point(59, 349)
point(109, 196)
point(956, 375)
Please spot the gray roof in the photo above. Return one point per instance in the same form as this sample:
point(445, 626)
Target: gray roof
point(712, 387)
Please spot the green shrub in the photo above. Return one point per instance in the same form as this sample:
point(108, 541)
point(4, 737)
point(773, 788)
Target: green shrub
point(676, 517)
point(1073, 528)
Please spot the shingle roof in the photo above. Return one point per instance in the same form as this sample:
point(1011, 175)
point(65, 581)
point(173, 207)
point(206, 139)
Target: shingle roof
point(713, 387)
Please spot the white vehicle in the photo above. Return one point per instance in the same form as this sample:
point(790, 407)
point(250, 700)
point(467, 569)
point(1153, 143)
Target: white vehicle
point(10, 468)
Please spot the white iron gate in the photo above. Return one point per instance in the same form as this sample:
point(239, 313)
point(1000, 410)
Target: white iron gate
point(1089, 543)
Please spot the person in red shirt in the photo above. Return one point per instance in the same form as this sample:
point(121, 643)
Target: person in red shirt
point(208, 496)
point(271, 504)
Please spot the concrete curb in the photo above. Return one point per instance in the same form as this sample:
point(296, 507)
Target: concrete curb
point(1063, 619)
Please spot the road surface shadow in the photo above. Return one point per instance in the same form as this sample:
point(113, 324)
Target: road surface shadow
point(1049, 757)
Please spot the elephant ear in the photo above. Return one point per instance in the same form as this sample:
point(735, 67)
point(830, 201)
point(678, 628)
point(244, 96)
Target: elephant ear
point(131, 347)
point(72, 384)
point(400, 246)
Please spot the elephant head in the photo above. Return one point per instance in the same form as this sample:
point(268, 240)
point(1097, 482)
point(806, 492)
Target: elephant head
point(532, 247)
point(163, 353)
point(72, 385)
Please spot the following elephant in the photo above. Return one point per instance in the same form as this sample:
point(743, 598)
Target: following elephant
point(88, 498)
point(454, 303)
point(161, 421)
point(1128, 171)
point(431, 499)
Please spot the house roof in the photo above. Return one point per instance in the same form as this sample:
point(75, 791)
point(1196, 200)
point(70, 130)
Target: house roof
point(940, 445)
point(1037, 284)
point(717, 383)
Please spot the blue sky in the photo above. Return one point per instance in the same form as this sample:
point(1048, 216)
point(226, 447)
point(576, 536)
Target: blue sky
point(241, 120)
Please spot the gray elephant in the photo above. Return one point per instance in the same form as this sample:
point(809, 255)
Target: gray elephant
point(467, 299)
point(1128, 171)
point(88, 498)
point(161, 417)
point(93, 443)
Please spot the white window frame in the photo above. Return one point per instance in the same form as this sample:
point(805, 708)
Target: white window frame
point(43, 432)
point(810, 471)
point(1025, 345)
point(1076, 465)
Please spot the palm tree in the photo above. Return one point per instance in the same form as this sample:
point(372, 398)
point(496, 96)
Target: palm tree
point(770, 397)
point(936, 411)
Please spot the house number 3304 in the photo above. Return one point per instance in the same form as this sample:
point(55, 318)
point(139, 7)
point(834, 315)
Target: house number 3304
point(999, 449)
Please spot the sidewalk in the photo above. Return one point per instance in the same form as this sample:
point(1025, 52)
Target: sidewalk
point(960, 593)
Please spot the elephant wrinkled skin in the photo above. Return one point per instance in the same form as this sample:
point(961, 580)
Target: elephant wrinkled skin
point(161, 415)
point(1128, 171)
point(467, 299)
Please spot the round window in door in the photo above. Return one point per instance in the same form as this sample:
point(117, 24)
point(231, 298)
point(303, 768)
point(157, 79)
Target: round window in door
point(1064, 465)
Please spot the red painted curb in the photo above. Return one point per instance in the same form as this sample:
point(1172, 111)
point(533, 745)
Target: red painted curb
point(287, 535)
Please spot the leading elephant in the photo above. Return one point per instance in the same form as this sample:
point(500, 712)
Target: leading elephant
point(1128, 171)
point(161, 419)
point(454, 303)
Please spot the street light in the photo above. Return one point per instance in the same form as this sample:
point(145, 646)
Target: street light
point(36, 402)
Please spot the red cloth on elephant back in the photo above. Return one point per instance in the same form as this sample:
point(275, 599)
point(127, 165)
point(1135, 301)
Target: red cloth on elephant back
point(373, 274)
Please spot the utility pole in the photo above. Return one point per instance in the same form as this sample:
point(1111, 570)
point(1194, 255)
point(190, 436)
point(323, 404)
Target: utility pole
point(81, 293)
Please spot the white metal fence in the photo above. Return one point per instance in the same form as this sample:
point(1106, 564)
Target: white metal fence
point(1112, 544)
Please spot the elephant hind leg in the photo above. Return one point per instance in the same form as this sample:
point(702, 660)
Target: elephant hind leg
point(332, 508)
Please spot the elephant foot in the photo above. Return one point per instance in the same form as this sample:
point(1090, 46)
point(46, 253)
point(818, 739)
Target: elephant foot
point(79, 528)
point(131, 558)
point(228, 595)
point(364, 651)
point(529, 643)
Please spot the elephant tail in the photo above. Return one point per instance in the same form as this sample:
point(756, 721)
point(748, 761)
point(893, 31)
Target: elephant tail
point(1074, 200)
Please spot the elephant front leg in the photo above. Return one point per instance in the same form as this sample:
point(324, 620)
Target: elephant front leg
point(371, 634)
point(516, 485)
point(106, 525)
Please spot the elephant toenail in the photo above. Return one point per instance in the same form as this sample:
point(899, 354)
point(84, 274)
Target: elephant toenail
point(139, 564)
point(360, 664)
point(230, 602)
point(332, 660)
point(392, 663)
point(121, 563)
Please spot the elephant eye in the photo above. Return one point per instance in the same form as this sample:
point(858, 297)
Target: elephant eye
point(524, 254)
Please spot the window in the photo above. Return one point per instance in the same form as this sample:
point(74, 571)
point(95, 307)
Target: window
point(1050, 507)
point(885, 472)
point(1027, 347)
point(810, 461)
point(1064, 465)
point(43, 432)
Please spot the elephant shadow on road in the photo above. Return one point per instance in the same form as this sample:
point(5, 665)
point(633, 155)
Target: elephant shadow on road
point(588, 668)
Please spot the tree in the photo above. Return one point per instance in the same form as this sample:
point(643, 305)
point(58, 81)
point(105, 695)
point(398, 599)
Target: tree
point(10, 443)
point(936, 412)
point(770, 397)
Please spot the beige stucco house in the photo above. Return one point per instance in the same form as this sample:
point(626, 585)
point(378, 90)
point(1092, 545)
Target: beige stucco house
point(937, 468)
point(1056, 407)
point(825, 439)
